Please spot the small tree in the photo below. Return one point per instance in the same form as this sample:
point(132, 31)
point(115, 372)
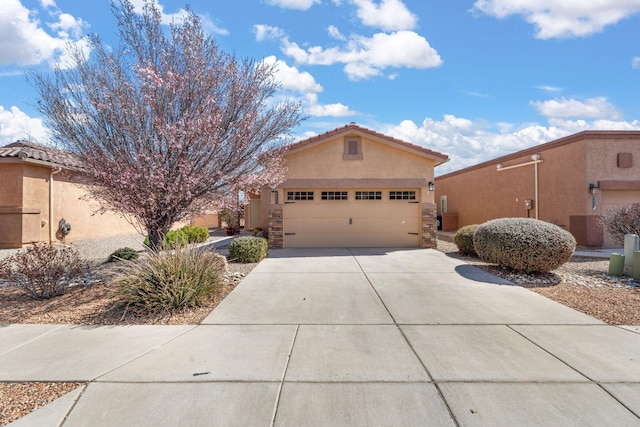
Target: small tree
point(168, 124)
point(620, 221)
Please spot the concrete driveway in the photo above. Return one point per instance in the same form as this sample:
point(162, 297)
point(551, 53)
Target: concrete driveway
point(331, 337)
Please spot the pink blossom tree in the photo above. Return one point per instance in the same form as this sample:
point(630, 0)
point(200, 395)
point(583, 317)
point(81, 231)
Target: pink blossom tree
point(167, 124)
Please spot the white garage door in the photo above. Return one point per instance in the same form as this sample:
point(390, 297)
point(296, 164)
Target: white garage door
point(351, 218)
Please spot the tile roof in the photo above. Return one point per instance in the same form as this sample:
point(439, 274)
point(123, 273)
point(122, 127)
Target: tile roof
point(30, 150)
point(352, 127)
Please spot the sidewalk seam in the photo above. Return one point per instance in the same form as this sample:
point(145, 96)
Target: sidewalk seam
point(406, 340)
point(284, 374)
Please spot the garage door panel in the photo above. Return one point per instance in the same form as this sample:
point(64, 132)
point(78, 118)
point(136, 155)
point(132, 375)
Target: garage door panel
point(354, 240)
point(352, 223)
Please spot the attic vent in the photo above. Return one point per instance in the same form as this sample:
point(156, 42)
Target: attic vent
point(625, 160)
point(352, 148)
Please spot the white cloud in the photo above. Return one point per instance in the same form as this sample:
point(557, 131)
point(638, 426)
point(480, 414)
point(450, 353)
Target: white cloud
point(547, 88)
point(389, 15)
point(168, 18)
point(330, 110)
point(65, 61)
point(293, 79)
point(592, 108)
point(367, 57)
point(335, 33)
point(15, 125)
point(304, 85)
point(23, 40)
point(470, 142)
point(561, 19)
point(293, 4)
point(635, 63)
point(267, 32)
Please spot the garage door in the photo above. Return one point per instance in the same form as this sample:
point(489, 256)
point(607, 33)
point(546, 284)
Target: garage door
point(351, 218)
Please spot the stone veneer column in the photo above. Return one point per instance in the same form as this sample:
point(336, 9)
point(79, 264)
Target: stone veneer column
point(276, 233)
point(429, 226)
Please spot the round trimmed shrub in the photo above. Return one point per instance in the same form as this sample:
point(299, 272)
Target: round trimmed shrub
point(464, 239)
point(523, 244)
point(248, 249)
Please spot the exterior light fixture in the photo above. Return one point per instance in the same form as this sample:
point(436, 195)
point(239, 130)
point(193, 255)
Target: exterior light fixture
point(432, 186)
point(499, 166)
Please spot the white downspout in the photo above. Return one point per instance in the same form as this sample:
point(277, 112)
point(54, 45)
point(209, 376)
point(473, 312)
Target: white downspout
point(535, 159)
point(51, 216)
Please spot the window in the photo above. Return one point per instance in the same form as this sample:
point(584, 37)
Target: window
point(300, 195)
point(402, 195)
point(368, 195)
point(334, 195)
point(443, 204)
point(352, 148)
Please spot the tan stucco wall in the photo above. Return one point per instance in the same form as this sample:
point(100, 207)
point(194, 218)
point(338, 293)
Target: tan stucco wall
point(486, 193)
point(380, 161)
point(480, 194)
point(10, 184)
point(29, 192)
point(383, 165)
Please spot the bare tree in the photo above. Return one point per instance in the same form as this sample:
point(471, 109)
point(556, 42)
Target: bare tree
point(621, 220)
point(168, 123)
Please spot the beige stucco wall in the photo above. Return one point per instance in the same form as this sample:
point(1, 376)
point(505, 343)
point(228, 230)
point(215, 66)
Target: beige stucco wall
point(382, 165)
point(479, 194)
point(29, 193)
point(486, 193)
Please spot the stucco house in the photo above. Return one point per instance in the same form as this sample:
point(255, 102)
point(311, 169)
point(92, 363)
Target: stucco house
point(569, 182)
point(39, 187)
point(351, 187)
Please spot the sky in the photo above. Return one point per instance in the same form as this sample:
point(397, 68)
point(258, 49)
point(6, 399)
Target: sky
point(471, 79)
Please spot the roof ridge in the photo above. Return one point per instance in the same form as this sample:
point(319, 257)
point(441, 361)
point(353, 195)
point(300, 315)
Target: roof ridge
point(363, 129)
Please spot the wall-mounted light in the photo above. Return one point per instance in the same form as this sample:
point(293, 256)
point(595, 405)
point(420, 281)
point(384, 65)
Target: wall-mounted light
point(593, 188)
point(432, 186)
point(499, 166)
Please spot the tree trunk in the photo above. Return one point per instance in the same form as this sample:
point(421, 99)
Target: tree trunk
point(155, 239)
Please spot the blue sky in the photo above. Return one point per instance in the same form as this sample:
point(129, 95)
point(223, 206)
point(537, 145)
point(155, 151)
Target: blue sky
point(472, 79)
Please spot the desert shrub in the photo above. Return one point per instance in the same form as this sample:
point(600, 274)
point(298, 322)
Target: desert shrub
point(183, 236)
point(195, 234)
point(464, 239)
point(124, 253)
point(43, 271)
point(620, 221)
point(248, 249)
point(523, 244)
point(169, 281)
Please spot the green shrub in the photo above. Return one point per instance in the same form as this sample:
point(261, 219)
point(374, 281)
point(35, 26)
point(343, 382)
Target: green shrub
point(248, 249)
point(183, 236)
point(464, 239)
point(169, 281)
point(43, 271)
point(523, 244)
point(195, 234)
point(124, 253)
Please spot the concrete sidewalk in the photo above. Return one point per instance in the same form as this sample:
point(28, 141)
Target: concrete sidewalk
point(333, 337)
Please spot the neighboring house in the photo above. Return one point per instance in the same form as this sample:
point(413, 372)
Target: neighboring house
point(351, 187)
point(569, 182)
point(39, 187)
